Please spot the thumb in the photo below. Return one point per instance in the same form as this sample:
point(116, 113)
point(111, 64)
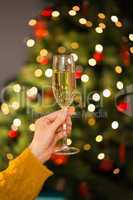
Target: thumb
point(60, 119)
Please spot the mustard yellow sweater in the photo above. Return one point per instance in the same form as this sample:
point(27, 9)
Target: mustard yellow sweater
point(24, 177)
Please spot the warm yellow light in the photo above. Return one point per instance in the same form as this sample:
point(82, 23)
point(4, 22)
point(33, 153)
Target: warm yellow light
point(91, 107)
point(114, 18)
point(69, 141)
point(119, 85)
point(89, 24)
point(99, 30)
point(74, 45)
point(87, 147)
point(61, 49)
point(32, 127)
point(115, 125)
point(116, 171)
point(43, 52)
point(32, 22)
point(13, 127)
point(101, 156)
point(85, 78)
point(17, 88)
point(15, 105)
point(118, 24)
point(32, 92)
point(38, 73)
point(131, 50)
point(106, 93)
point(91, 121)
point(5, 108)
point(76, 8)
point(82, 21)
point(99, 138)
point(96, 97)
point(92, 62)
point(48, 73)
point(99, 48)
point(30, 43)
point(55, 13)
point(17, 122)
point(72, 12)
point(101, 15)
point(118, 69)
point(9, 156)
point(131, 36)
point(75, 56)
point(102, 25)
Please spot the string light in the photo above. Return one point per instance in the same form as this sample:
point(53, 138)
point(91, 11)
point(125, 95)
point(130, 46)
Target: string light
point(116, 171)
point(99, 48)
point(43, 52)
point(118, 69)
point(9, 156)
point(115, 125)
point(131, 50)
point(114, 18)
point(102, 25)
point(15, 128)
point(118, 24)
point(15, 105)
point(76, 8)
point(55, 13)
point(17, 88)
point(75, 56)
point(119, 85)
point(89, 24)
point(99, 138)
point(82, 21)
point(99, 30)
point(61, 49)
point(32, 127)
point(131, 37)
point(106, 93)
point(87, 147)
point(96, 97)
point(92, 121)
point(30, 43)
point(48, 73)
point(32, 22)
point(91, 107)
point(72, 12)
point(92, 62)
point(38, 73)
point(5, 108)
point(85, 78)
point(74, 45)
point(101, 15)
point(69, 141)
point(32, 92)
point(100, 156)
point(17, 122)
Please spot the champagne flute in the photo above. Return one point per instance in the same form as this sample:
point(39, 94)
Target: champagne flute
point(64, 85)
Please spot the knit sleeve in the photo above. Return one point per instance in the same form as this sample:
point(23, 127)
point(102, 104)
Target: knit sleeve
point(23, 178)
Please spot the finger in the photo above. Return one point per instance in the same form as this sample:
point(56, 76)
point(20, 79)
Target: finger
point(60, 119)
point(50, 117)
point(58, 137)
point(71, 110)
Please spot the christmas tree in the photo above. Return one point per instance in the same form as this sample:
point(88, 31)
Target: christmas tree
point(101, 45)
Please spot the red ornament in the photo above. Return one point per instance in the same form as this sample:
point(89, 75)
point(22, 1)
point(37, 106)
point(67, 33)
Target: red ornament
point(106, 165)
point(12, 134)
point(40, 30)
point(122, 153)
point(59, 159)
point(98, 56)
point(78, 74)
point(47, 12)
point(43, 60)
point(84, 190)
point(122, 106)
point(125, 55)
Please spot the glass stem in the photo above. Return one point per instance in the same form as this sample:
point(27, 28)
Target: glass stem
point(65, 135)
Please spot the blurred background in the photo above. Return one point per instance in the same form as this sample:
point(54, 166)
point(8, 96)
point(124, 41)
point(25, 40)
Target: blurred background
point(99, 35)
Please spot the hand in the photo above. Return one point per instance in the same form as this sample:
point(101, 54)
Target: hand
point(48, 131)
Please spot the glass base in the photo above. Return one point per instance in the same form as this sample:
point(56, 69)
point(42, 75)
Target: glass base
point(66, 150)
